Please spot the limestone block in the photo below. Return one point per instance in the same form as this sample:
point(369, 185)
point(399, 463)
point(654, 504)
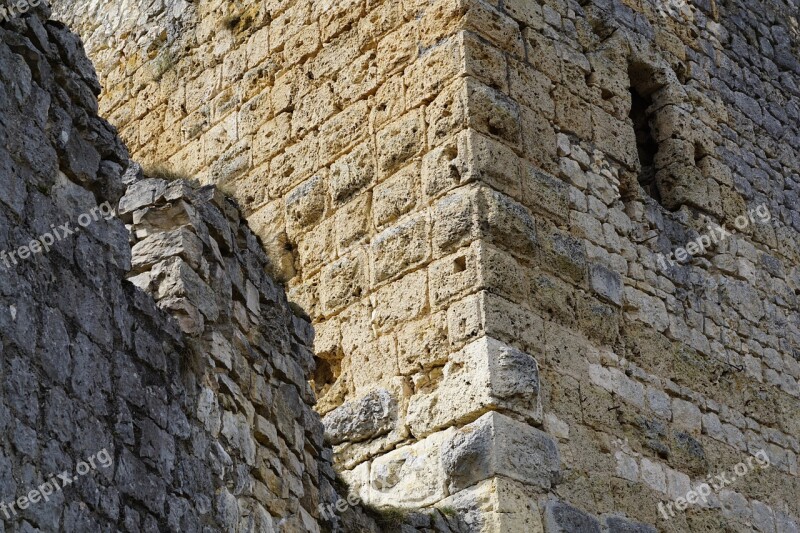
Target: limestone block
point(258, 47)
point(358, 79)
point(400, 301)
point(506, 223)
point(376, 363)
point(290, 167)
point(190, 160)
point(545, 194)
point(606, 283)
point(140, 194)
point(538, 139)
point(479, 267)
point(231, 163)
point(498, 28)
point(440, 19)
point(389, 102)
point(441, 168)
point(202, 89)
point(562, 253)
point(169, 141)
point(498, 445)
point(305, 205)
point(528, 13)
point(399, 248)
point(448, 113)
point(494, 114)
point(288, 24)
point(542, 54)
point(338, 16)
point(423, 343)
point(179, 280)
point(455, 275)
point(219, 138)
point(646, 308)
point(560, 517)
point(502, 274)
point(313, 109)
point(236, 429)
point(712, 168)
point(531, 88)
point(398, 49)
point(409, 476)
point(487, 314)
point(234, 64)
point(484, 375)
point(181, 242)
point(483, 61)
point(271, 138)
point(466, 320)
point(399, 142)
point(362, 419)
point(430, 74)
point(614, 136)
point(317, 247)
point(342, 131)
point(395, 196)
point(686, 416)
point(147, 99)
point(454, 223)
point(497, 505)
point(573, 114)
point(284, 92)
point(342, 282)
point(352, 173)
point(653, 475)
point(352, 222)
point(334, 56)
point(491, 162)
point(302, 44)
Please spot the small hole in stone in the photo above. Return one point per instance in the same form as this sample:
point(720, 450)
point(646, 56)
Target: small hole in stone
point(606, 94)
point(699, 153)
point(459, 265)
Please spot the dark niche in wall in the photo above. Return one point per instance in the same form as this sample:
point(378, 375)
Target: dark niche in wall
point(641, 89)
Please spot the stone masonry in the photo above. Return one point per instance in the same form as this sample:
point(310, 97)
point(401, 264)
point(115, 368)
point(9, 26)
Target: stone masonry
point(194, 385)
point(484, 208)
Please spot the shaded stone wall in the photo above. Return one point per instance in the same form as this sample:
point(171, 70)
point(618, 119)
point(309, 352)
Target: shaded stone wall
point(456, 195)
point(177, 402)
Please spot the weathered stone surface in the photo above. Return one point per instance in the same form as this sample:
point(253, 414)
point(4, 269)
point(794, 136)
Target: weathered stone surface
point(498, 445)
point(560, 517)
point(370, 416)
point(485, 375)
point(427, 174)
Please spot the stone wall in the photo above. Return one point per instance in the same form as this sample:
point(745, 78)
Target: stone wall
point(462, 198)
point(180, 405)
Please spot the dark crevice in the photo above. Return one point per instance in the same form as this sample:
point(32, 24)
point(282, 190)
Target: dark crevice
point(643, 86)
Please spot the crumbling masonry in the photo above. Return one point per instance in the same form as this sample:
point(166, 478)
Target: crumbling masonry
point(469, 201)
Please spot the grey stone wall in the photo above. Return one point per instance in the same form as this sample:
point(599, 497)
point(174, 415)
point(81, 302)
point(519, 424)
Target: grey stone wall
point(177, 401)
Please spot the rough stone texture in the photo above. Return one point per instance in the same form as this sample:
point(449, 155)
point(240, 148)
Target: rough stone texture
point(193, 376)
point(425, 175)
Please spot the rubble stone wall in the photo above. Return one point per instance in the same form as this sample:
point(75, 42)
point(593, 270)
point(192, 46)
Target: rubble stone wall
point(451, 191)
point(177, 402)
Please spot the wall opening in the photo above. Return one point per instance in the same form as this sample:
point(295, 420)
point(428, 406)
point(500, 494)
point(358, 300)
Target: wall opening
point(646, 145)
point(642, 87)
